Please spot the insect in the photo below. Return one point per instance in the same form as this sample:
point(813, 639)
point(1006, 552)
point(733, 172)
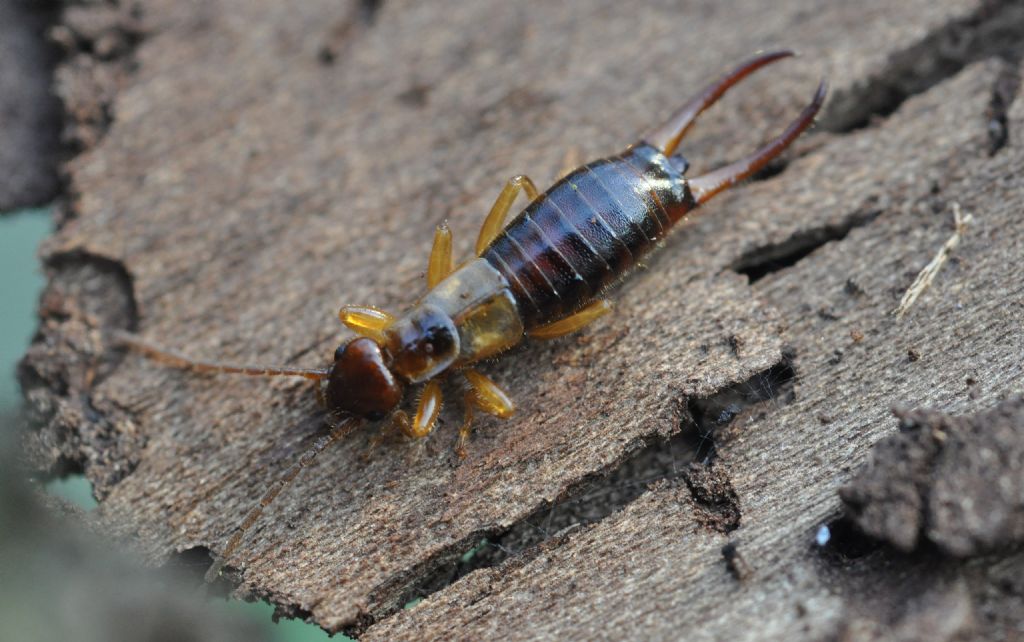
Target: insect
point(542, 275)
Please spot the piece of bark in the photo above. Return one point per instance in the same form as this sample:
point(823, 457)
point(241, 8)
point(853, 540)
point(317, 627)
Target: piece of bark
point(249, 184)
point(957, 482)
point(97, 41)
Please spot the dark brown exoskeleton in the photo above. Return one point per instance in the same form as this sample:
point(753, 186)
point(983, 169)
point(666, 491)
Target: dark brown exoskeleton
point(543, 276)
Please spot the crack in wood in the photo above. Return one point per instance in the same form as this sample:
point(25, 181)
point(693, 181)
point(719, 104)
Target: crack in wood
point(762, 261)
point(996, 29)
point(688, 457)
point(1003, 94)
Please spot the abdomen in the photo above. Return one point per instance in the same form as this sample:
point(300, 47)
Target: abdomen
point(587, 231)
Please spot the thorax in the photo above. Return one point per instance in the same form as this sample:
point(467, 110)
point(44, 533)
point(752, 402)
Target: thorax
point(469, 316)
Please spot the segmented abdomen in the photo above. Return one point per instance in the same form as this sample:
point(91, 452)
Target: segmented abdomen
point(587, 231)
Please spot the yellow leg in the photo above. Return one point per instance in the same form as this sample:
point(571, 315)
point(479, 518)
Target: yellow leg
point(429, 408)
point(366, 321)
point(468, 401)
point(398, 420)
point(440, 264)
point(487, 396)
point(572, 323)
point(570, 162)
point(495, 221)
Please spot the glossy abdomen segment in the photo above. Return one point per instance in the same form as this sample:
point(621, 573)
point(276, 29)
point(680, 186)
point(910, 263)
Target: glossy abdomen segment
point(587, 230)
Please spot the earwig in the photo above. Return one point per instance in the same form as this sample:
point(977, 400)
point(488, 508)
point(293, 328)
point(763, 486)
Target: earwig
point(543, 275)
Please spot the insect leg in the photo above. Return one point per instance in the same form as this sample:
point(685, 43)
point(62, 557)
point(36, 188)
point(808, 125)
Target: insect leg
point(427, 410)
point(488, 397)
point(337, 431)
point(706, 186)
point(399, 419)
point(570, 161)
point(468, 401)
point(366, 321)
point(440, 263)
point(666, 137)
point(495, 221)
point(573, 322)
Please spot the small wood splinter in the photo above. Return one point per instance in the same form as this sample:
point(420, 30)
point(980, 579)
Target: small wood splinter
point(542, 275)
point(927, 275)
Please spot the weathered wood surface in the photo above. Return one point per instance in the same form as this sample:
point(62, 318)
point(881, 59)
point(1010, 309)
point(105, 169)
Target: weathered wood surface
point(267, 163)
point(653, 564)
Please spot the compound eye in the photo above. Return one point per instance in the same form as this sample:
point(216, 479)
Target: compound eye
point(438, 340)
point(340, 351)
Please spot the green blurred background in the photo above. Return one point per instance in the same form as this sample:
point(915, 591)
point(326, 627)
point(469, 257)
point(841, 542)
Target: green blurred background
point(22, 282)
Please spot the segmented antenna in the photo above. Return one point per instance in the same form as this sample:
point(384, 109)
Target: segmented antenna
point(345, 427)
point(178, 360)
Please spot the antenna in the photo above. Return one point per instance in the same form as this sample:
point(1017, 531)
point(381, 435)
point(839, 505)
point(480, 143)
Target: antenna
point(178, 360)
point(337, 431)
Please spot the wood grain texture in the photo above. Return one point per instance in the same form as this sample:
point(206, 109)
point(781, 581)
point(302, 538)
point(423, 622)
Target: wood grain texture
point(651, 571)
point(267, 163)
